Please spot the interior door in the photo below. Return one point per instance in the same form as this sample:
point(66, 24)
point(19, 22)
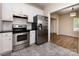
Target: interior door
point(53, 29)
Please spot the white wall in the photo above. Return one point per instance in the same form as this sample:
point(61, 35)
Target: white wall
point(0, 10)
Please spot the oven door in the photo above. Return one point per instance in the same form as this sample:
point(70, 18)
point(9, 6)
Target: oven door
point(20, 38)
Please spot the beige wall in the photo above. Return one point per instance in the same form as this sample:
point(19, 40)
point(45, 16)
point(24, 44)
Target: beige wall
point(64, 26)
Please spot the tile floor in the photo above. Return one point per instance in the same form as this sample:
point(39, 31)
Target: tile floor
point(47, 49)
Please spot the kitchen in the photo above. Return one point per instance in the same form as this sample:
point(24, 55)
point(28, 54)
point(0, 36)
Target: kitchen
point(25, 29)
point(17, 26)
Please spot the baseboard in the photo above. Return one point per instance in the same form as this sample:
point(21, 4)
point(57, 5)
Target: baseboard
point(68, 36)
point(65, 35)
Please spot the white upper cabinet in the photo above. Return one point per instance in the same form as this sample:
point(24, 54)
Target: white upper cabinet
point(30, 19)
point(6, 11)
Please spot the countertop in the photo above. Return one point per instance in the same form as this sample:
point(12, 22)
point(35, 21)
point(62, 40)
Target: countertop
point(12, 31)
point(5, 31)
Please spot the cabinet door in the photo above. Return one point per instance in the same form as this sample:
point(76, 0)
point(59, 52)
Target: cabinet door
point(32, 37)
point(7, 42)
point(30, 18)
point(0, 43)
point(7, 12)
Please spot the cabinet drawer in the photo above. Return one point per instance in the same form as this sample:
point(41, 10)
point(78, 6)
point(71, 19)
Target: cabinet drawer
point(7, 34)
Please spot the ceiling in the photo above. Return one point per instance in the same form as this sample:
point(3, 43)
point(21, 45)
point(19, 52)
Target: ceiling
point(68, 10)
point(39, 5)
point(63, 11)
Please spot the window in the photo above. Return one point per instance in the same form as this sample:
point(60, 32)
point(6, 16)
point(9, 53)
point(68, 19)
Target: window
point(76, 24)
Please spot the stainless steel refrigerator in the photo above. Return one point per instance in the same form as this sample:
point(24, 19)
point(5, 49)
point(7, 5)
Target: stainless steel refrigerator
point(41, 29)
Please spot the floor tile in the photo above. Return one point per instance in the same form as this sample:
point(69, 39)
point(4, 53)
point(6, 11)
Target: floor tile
point(47, 49)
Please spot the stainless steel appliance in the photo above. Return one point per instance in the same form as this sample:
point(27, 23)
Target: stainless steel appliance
point(41, 26)
point(20, 37)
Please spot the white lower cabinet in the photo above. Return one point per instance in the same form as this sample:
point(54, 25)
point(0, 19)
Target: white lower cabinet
point(6, 42)
point(32, 37)
point(0, 43)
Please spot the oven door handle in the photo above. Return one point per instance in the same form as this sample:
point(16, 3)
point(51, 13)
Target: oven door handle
point(20, 33)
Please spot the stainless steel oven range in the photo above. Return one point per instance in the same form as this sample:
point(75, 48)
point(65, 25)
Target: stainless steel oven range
point(20, 37)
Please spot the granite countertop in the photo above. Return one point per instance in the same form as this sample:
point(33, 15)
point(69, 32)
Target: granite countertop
point(12, 31)
point(5, 31)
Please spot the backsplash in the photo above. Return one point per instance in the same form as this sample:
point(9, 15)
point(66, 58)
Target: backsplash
point(22, 22)
point(0, 26)
point(6, 26)
point(19, 21)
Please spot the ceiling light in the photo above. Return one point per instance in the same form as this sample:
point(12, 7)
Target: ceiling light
point(72, 13)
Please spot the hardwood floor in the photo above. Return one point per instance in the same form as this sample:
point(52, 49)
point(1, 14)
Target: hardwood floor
point(65, 41)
